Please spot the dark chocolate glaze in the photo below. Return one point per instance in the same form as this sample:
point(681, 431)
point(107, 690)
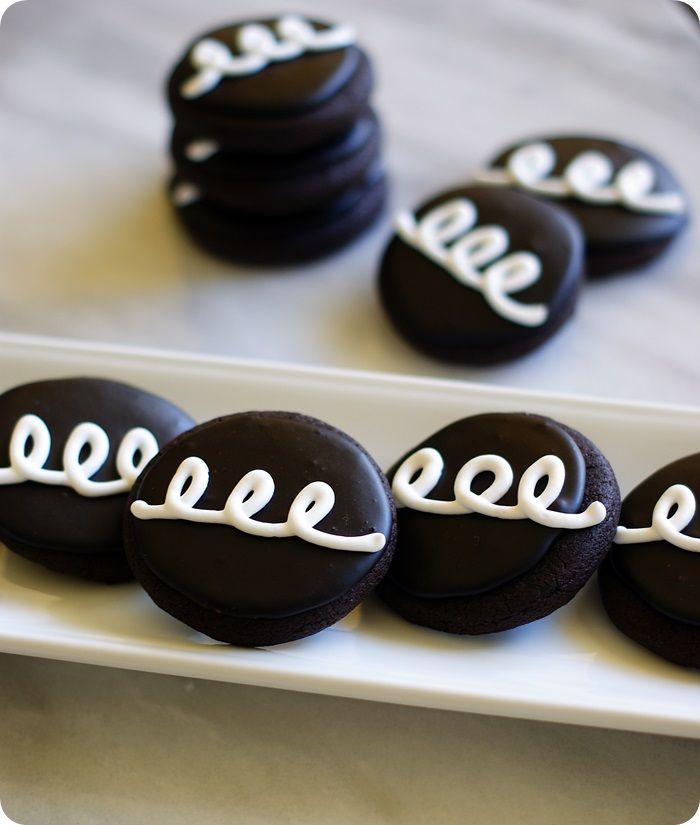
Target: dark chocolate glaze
point(56, 517)
point(678, 642)
point(273, 228)
point(610, 226)
point(280, 133)
point(281, 87)
point(665, 576)
point(233, 165)
point(286, 189)
point(439, 556)
point(286, 240)
point(447, 317)
point(225, 569)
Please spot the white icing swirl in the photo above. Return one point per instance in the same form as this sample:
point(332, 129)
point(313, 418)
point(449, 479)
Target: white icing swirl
point(201, 149)
point(664, 526)
point(477, 248)
point(30, 445)
point(420, 472)
point(253, 492)
point(590, 177)
point(185, 193)
point(258, 47)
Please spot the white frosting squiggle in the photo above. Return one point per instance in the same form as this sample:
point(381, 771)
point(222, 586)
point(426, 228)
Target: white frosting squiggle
point(253, 492)
point(420, 472)
point(27, 462)
point(259, 47)
point(666, 527)
point(185, 193)
point(201, 149)
point(464, 259)
point(589, 177)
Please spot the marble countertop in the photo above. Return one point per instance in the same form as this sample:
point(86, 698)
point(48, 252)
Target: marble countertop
point(89, 250)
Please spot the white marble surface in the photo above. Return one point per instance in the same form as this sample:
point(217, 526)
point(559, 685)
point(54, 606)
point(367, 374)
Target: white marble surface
point(89, 250)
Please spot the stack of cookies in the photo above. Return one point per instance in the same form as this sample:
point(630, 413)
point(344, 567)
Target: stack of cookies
point(276, 150)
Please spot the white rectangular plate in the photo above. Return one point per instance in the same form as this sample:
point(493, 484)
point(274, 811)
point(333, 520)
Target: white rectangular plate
point(571, 667)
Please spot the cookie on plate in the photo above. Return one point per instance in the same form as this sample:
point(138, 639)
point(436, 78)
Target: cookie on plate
point(260, 528)
point(480, 275)
point(628, 203)
point(650, 582)
point(502, 519)
point(70, 450)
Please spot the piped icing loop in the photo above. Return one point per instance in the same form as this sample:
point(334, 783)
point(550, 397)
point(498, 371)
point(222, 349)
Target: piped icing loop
point(664, 526)
point(250, 495)
point(185, 193)
point(30, 445)
point(419, 474)
point(590, 177)
point(201, 149)
point(258, 46)
point(484, 246)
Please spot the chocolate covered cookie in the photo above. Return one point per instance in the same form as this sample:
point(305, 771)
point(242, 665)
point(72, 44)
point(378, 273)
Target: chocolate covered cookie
point(276, 151)
point(70, 450)
point(502, 519)
point(282, 185)
point(650, 582)
point(279, 240)
point(275, 85)
point(261, 527)
point(481, 275)
point(627, 202)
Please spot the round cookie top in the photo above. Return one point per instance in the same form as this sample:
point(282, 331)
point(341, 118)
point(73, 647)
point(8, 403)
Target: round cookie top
point(70, 450)
point(272, 66)
point(657, 548)
point(480, 268)
point(282, 513)
point(482, 500)
point(619, 193)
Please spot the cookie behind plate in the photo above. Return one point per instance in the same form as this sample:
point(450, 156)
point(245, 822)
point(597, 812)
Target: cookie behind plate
point(628, 203)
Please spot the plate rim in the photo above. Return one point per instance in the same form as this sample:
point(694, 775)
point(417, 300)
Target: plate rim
point(253, 667)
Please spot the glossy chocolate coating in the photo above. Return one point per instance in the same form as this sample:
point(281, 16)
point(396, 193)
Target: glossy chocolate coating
point(442, 556)
point(274, 240)
point(233, 165)
point(665, 576)
point(300, 185)
point(57, 517)
point(281, 87)
point(446, 315)
point(225, 569)
point(603, 225)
